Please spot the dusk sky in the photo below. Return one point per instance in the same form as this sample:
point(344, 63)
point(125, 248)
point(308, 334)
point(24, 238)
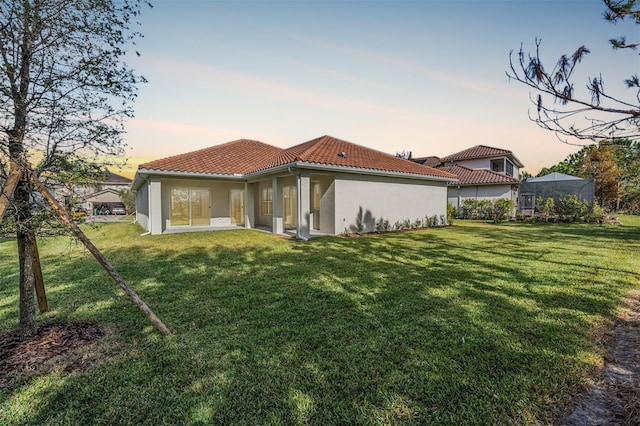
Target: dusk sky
point(420, 76)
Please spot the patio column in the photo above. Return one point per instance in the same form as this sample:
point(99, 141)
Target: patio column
point(155, 206)
point(278, 207)
point(249, 207)
point(303, 184)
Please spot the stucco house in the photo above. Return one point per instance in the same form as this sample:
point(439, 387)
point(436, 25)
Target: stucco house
point(484, 173)
point(322, 186)
point(104, 191)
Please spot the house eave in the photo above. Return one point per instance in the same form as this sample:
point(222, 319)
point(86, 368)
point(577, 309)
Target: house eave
point(484, 183)
point(345, 169)
point(143, 174)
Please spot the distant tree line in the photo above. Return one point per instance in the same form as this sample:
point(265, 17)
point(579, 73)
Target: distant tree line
point(615, 168)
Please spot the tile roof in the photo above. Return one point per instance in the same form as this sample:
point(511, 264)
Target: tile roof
point(247, 156)
point(327, 150)
point(110, 177)
point(236, 157)
point(480, 151)
point(431, 161)
point(467, 176)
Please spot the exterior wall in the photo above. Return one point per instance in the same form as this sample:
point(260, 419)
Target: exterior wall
point(456, 196)
point(327, 204)
point(370, 198)
point(477, 163)
point(142, 207)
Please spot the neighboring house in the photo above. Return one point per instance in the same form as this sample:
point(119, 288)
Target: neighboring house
point(555, 186)
point(103, 192)
point(323, 186)
point(484, 173)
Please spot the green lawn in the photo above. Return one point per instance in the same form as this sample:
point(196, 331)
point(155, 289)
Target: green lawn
point(472, 324)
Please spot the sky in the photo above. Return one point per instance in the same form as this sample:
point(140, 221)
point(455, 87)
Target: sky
point(420, 76)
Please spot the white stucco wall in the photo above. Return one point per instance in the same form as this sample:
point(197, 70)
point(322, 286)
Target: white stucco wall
point(142, 206)
point(478, 163)
point(393, 199)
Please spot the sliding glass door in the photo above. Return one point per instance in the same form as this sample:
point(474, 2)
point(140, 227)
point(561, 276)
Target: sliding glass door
point(190, 207)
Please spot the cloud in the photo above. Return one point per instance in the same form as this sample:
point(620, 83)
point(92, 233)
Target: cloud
point(457, 80)
point(215, 78)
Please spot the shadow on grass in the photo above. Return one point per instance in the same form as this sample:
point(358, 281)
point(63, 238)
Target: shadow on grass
point(464, 325)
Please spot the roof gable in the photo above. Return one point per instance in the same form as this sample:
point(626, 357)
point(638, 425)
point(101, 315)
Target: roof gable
point(431, 161)
point(331, 151)
point(481, 151)
point(236, 157)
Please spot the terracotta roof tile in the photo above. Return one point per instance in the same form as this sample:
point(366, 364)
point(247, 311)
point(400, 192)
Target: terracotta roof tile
point(480, 151)
point(236, 157)
point(431, 161)
point(248, 156)
point(467, 176)
point(326, 150)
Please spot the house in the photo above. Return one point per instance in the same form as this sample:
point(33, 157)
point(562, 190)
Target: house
point(322, 186)
point(484, 173)
point(93, 195)
point(104, 193)
point(555, 186)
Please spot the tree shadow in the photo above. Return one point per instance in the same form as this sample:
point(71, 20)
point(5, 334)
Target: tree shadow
point(434, 326)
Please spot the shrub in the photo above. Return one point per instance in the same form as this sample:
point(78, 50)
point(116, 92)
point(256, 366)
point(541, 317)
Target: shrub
point(546, 207)
point(452, 212)
point(571, 208)
point(501, 209)
point(469, 208)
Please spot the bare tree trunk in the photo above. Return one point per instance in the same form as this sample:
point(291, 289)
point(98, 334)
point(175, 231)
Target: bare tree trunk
point(41, 294)
point(25, 237)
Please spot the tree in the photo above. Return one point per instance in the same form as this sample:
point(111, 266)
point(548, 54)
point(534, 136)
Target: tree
point(65, 92)
point(569, 166)
point(601, 116)
point(600, 164)
point(129, 199)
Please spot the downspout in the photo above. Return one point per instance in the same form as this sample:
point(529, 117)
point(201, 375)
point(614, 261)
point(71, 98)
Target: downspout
point(298, 205)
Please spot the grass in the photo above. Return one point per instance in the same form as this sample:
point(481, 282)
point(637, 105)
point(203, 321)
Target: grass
point(472, 324)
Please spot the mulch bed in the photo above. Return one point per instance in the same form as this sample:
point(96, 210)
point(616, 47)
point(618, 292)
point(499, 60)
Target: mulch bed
point(54, 346)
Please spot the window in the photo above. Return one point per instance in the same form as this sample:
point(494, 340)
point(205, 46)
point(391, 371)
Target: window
point(497, 166)
point(509, 168)
point(189, 207)
point(266, 201)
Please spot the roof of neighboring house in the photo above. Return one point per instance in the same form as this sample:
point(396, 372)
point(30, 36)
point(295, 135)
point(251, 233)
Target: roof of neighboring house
point(330, 151)
point(236, 157)
point(481, 151)
point(431, 161)
point(110, 177)
point(467, 176)
point(108, 195)
point(246, 156)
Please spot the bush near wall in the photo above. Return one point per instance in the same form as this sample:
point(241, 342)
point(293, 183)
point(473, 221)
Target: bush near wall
point(495, 210)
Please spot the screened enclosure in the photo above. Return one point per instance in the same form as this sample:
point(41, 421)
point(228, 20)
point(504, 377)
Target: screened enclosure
point(555, 186)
